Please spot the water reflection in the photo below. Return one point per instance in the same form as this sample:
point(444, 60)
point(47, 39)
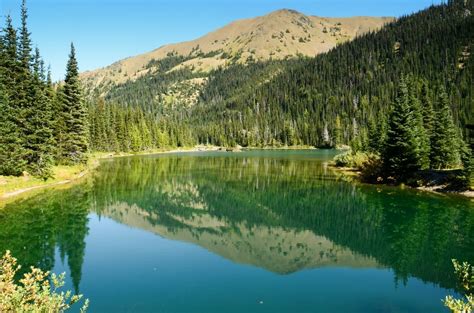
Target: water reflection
point(288, 214)
point(280, 213)
point(34, 228)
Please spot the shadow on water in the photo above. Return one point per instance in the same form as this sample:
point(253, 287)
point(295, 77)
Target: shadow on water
point(281, 213)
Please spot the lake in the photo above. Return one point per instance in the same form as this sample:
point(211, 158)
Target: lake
point(256, 231)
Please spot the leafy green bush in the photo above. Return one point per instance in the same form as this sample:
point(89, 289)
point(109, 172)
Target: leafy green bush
point(34, 292)
point(343, 159)
point(372, 169)
point(353, 160)
point(465, 275)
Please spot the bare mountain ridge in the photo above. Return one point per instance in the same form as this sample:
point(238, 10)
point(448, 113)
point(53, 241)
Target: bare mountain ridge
point(278, 35)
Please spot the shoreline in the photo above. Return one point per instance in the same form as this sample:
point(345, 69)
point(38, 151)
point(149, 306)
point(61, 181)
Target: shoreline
point(353, 173)
point(94, 163)
point(97, 156)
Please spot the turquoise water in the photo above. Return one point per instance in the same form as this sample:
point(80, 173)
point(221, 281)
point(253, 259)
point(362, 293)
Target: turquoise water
point(260, 231)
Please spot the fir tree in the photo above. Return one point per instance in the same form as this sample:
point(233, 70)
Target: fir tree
point(24, 53)
point(338, 138)
point(427, 107)
point(41, 139)
point(11, 162)
point(73, 128)
point(444, 139)
point(420, 135)
point(400, 153)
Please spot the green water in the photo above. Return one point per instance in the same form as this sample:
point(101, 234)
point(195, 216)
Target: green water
point(260, 231)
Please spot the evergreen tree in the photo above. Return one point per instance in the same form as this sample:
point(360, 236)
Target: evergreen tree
point(11, 162)
point(338, 136)
point(420, 133)
point(400, 154)
point(24, 51)
point(427, 107)
point(73, 128)
point(444, 138)
point(41, 140)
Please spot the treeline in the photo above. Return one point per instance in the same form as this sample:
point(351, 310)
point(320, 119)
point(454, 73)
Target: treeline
point(40, 125)
point(114, 127)
point(419, 134)
point(332, 98)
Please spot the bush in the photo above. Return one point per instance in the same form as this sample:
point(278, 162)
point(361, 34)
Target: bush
point(34, 292)
point(353, 160)
point(343, 159)
point(465, 275)
point(372, 169)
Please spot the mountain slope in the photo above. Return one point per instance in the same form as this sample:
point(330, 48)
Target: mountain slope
point(345, 94)
point(278, 35)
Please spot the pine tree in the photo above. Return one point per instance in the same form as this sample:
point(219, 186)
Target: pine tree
point(24, 53)
point(12, 160)
point(444, 139)
point(427, 107)
point(428, 114)
point(73, 129)
point(400, 154)
point(41, 140)
point(420, 133)
point(338, 138)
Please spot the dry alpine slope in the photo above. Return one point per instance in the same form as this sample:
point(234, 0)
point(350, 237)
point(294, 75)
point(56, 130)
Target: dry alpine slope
point(278, 35)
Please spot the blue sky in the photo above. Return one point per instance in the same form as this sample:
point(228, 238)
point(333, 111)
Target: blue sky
point(105, 31)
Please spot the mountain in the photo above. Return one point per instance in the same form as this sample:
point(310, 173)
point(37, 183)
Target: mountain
point(278, 35)
point(339, 97)
point(344, 96)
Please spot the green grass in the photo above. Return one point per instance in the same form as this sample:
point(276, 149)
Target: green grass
point(60, 173)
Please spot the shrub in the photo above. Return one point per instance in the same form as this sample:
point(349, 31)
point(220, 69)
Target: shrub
point(34, 292)
point(465, 275)
point(372, 169)
point(350, 159)
point(343, 159)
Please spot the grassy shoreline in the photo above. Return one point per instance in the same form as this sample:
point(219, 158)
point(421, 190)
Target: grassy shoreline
point(354, 173)
point(13, 187)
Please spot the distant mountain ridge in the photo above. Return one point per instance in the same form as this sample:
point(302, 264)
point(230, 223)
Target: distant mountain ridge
point(278, 35)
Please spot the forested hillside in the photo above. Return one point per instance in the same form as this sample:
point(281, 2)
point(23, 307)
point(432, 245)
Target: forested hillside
point(340, 97)
point(335, 97)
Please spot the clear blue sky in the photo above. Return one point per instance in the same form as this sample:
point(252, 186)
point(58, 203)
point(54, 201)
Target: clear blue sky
point(105, 31)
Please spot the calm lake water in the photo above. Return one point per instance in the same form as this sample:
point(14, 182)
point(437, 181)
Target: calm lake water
point(260, 231)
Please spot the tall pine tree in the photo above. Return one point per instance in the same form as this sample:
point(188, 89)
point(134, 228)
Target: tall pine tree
point(12, 160)
point(41, 139)
point(73, 130)
point(420, 136)
point(444, 138)
point(400, 152)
